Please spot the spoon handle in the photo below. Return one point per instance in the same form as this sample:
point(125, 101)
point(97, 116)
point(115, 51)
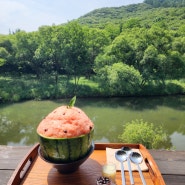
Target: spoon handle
point(141, 175)
point(122, 173)
point(130, 171)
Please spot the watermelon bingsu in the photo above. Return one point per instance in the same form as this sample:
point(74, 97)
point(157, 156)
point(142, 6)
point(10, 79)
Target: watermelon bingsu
point(65, 134)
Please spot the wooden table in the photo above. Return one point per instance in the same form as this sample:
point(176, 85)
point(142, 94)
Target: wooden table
point(170, 163)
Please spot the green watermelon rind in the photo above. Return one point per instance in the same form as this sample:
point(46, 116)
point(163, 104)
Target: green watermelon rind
point(65, 150)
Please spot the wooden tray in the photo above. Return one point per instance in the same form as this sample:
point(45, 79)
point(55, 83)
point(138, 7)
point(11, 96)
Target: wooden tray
point(34, 171)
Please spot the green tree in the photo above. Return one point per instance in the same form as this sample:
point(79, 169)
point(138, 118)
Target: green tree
point(160, 38)
point(178, 44)
point(176, 65)
point(120, 79)
point(131, 23)
point(113, 30)
point(97, 40)
point(25, 47)
point(154, 65)
point(122, 50)
point(49, 52)
point(3, 56)
point(150, 64)
point(6, 52)
point(75, 51)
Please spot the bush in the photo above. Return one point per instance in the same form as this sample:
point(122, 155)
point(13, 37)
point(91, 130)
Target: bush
point(151, 136)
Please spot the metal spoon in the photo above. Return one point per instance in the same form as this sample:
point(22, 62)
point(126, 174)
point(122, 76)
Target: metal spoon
point(128, 151)
point(136, 158)
point(121, 156)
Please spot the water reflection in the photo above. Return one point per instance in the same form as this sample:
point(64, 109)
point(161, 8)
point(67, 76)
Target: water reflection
point(18, 122)
point(178, 140)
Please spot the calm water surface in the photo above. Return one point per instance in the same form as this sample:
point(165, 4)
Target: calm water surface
point(18, 121)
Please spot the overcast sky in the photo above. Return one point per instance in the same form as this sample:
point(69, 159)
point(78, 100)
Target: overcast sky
point(28, 15)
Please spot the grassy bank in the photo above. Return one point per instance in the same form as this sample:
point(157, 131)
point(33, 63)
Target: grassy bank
point(15, 89)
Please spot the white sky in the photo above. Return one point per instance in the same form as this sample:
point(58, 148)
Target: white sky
point(29, 15)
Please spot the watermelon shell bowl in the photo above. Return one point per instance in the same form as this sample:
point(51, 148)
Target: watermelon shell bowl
point(66, 137)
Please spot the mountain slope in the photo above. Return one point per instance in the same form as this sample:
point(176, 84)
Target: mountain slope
point(145, 14)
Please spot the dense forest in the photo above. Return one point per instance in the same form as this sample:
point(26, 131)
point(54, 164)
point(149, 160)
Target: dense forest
point(133, 50)
point(165, 3)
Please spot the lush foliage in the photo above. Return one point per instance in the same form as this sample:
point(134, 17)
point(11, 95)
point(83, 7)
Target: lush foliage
point(14, 89)
point(130, 50)
point(141, 15)
point(139, 131)
point(166, 3)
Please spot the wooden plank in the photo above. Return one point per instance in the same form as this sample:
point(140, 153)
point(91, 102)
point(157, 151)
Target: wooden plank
point(11, 156)
point(5, 176)
point(170, 162)
point(174, 179)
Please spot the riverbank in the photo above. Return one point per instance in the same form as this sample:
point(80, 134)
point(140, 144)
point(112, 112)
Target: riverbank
point(22, 88)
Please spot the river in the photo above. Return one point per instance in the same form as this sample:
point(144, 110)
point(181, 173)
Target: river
point(18, 121)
